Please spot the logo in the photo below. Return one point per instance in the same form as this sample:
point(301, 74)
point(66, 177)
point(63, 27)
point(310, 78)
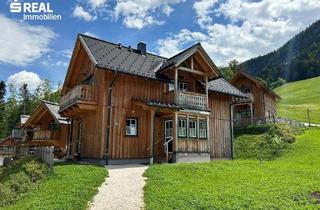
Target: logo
point(34, 10)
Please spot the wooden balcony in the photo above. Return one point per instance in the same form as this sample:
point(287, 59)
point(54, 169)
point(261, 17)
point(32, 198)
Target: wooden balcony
point(7, 150)
point(46, 135)
point(191, 100)
point(81, 96)
point(250, 98)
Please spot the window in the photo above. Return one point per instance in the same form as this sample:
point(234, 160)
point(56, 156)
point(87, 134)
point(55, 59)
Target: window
point(246, 89)
point(132, 127)
point(192, 128)
point(54, 126)
point(171, 87)
point(183, 86)
point(246, 113)
point(203, 129)
point(182, 131)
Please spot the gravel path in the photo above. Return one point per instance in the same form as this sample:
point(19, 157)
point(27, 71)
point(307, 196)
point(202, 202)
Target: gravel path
point(123, 189)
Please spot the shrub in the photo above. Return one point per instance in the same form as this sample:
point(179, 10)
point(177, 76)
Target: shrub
point(19, 177)
point(264, 142)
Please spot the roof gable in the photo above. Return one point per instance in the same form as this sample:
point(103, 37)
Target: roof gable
point(184, 55)
point(49, 107)
point(254, 80)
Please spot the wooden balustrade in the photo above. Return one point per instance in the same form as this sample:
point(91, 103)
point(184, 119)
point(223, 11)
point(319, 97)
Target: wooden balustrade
point(190, 99)
point(46, 135)
point(80, 92)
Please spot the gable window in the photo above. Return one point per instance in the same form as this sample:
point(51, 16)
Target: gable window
point(131, 127)
point(246, 89)
point(183, 86)
point(182, 131)
point(54, 126)
point(192, 128)
point(203, 129)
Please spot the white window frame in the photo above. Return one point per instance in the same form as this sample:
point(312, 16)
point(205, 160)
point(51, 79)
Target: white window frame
point(190, 132)
point(183, 86)
point(182, 130)
point(132, 128)
point(203, 130)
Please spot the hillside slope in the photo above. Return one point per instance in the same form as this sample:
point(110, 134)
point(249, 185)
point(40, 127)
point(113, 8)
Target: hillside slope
point(298, 59)
point(299, 96)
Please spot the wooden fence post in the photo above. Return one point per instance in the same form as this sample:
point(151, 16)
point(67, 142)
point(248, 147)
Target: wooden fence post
point(308, 111)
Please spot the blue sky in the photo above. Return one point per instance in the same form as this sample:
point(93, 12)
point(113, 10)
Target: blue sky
point(31, 51)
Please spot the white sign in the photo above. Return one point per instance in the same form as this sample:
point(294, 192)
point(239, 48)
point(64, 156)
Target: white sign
point(34, 10)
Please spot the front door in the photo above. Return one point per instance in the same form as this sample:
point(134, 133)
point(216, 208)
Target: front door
point(168, 134)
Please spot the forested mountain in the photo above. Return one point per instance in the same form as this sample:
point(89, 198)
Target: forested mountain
point(298, 59)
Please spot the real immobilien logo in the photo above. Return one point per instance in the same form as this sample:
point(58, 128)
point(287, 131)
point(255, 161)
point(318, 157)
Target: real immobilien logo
point(34, 10)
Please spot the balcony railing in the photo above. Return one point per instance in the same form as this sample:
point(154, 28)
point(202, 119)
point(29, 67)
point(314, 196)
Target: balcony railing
point(193, 100)
point(46, 135)
point(80, 92)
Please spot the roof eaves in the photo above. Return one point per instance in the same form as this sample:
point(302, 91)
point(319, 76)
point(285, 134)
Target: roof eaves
point(87, 49)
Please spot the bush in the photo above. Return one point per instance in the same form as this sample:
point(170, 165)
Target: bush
point(19, 177)
point(264, 142)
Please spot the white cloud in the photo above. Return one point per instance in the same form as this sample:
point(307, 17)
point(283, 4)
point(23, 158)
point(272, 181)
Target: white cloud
point(254, 28)
point(203, 10)
point(140, 13)
point(97, 3)
point(25, 77)
point(20, 43)
point(91, 34)
point(80, 13)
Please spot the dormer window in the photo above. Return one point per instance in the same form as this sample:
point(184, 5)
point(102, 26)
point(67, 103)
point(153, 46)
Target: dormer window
point(183, 86)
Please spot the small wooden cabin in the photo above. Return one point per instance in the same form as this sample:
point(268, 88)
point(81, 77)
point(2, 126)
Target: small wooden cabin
point(45, 127)
point(260, 106)
point(128, 105)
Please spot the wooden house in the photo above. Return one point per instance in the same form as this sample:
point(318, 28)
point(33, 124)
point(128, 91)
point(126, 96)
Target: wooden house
point(128, 105)
point(45, 127)
point(260, 106)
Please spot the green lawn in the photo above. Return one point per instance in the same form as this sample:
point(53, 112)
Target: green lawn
point(284, 183)
point(71, 186)
point(299, 96)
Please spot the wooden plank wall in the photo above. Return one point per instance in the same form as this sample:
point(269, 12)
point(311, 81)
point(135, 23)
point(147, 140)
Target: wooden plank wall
point(125, 89)
point(196, 146)
point(220, 138)
point(258, 94)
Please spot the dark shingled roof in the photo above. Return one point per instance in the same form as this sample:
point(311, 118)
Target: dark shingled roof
point(54, 110)
point(124, 59)
point(220, 85)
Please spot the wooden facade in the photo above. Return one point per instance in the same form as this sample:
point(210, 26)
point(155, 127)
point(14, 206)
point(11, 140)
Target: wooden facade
point(261, 105)
point(101, 102)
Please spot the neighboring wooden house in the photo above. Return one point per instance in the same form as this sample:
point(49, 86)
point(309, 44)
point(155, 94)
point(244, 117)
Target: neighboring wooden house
point(128, 105)
point(45, 127)
point(7, 147)
point(261, 103)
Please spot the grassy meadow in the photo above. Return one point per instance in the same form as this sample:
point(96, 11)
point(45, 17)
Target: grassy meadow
point(291, 181)
point(299, 96)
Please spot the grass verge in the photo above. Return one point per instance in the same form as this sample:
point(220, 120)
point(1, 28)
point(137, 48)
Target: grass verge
point(71, 186)
point(289, 182)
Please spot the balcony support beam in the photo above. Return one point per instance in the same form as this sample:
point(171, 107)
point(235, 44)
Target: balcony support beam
point(192, 71)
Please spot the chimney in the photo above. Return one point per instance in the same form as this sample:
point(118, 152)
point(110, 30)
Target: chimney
point(142, 47)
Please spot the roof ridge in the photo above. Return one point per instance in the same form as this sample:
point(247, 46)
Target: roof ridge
point(115, 44)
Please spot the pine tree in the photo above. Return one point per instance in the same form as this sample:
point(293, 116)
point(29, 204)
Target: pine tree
point(3, 122)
